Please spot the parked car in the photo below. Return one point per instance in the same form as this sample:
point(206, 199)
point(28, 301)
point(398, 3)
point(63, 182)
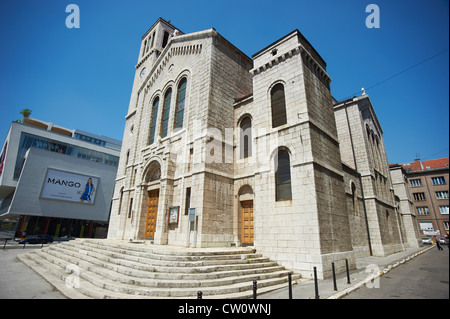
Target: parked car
point(37, 239)
point(426, 240)
point(442, 241)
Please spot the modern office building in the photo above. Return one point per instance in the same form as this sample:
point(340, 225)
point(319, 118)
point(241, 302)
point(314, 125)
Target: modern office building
point(428, 182)
point(56, 181)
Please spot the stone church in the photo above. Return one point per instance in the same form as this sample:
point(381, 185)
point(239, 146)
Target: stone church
point(223, 150)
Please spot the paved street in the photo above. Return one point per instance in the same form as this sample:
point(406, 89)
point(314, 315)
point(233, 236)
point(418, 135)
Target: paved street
point(17, 281)
point(424, 277)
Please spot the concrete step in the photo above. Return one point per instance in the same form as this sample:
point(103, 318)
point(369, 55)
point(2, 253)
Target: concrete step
point(111, 270)
point(165, 260)
point(150, 272)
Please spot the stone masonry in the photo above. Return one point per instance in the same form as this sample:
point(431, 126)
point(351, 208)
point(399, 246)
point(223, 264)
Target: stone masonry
point(340, 202)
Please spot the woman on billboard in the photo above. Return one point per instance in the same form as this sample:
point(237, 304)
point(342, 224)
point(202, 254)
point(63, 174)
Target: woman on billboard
point(88, 191)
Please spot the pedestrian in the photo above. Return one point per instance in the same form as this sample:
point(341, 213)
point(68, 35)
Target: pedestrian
point(437, 244)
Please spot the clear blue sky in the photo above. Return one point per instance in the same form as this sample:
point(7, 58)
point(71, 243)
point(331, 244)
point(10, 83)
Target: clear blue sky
point(82, 78)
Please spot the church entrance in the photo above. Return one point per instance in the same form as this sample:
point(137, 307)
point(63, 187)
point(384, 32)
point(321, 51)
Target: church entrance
point(152, 212)
point(247, 223)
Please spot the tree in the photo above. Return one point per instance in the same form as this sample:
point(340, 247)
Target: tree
point(25, 113)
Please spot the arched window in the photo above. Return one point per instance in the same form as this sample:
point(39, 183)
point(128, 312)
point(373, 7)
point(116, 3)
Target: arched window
point(165, 39)
point(278, 105)
point(144, 49)
point(120, 201)
point(179, 110)
point(246, 138)
point(153, 173)
point(283, 176)
point(151, 137)
point(165, 113)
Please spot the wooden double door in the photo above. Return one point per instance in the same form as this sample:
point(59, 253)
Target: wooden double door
point(152, 213)
point(247, 230)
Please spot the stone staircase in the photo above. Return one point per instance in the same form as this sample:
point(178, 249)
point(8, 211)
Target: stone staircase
point(92, 268)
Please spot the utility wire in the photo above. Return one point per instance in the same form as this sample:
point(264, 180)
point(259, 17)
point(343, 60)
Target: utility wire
point(397, 74)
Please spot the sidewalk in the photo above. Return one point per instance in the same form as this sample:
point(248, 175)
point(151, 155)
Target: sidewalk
point(304, 289)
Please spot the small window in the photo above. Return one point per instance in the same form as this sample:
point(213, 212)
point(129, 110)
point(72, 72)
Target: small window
point(166, 112)
point(278, 104)
point(442, 195)
point(246, 138)
point(283, 176)
point(415, 182)
point(419, 196)
point(440, 180)
point(423, 211)
point(130, 209)
point(355, 199)
point(443, 210)
point(188, 201)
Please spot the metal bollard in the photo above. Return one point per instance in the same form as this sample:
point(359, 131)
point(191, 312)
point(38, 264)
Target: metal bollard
point(316, 285)
point(254, 288)
point(334, 277)
point(348, 274)
point(290, 285)
point(199, 295)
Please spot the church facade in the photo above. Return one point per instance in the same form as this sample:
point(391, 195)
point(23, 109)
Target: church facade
point(222, 150)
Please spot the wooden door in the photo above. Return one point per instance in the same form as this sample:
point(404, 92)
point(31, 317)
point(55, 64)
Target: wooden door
point(152, 212)
point(247, 223)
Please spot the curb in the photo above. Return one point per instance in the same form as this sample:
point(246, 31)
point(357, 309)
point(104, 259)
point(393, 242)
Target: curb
point(378, 275)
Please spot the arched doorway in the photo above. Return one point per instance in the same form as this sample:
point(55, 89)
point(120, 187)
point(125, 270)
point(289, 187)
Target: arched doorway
point(152, 178)
point(246, 215)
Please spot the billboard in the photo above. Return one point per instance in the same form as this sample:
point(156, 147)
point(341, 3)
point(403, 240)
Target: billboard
point(69, 187)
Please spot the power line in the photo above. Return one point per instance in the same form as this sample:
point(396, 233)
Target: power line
point(432, 155)
point(397, 74)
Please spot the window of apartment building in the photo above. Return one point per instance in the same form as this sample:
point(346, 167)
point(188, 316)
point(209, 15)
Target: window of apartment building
point(426, 226)
point(179, 110)
point(151, 137)
point(278, 105)
point(440, 180)
point(423, 211)
point(419, 196)
point(166, 112)
point(446, 225)
point(415, 182)
point(283, 176)
point(442, 195)
point(444, 210)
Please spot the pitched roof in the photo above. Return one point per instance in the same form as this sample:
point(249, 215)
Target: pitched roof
point(428, 164)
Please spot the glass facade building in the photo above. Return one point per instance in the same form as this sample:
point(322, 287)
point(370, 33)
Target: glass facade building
point(28, 140)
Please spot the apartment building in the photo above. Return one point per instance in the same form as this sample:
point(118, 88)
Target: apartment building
point(428, 182)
